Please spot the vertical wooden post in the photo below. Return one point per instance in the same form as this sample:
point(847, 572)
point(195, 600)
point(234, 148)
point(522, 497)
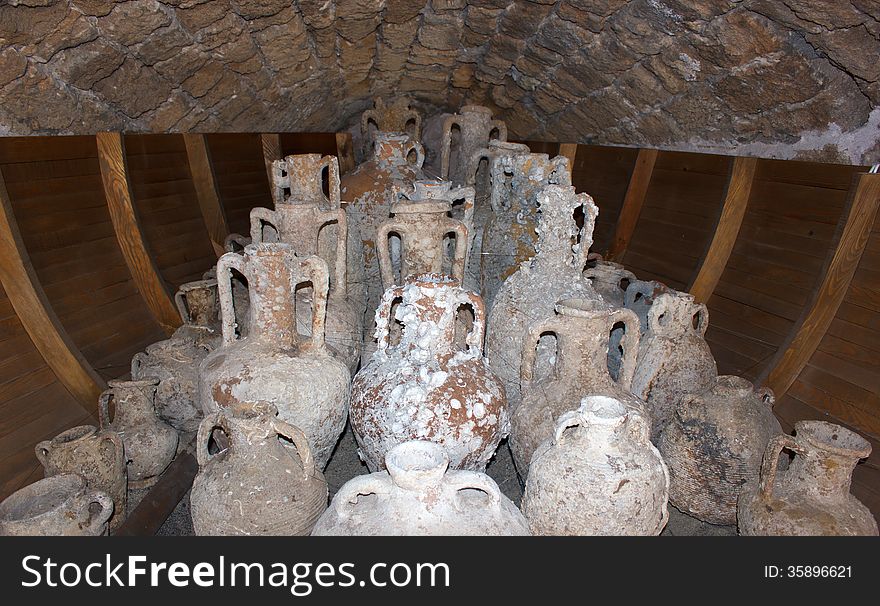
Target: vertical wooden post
point(25, 293)
point(202, 171)
point(569, 150)
point(736, 199)
point(271, 152)
point(344, 152)
point(632, 203)
point(808, 332)
point(117, 190)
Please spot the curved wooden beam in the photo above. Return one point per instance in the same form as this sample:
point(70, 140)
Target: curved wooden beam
point(806, 335)
point(271, 152)
point(345, 152)
point(22, 286)
point(632, 203)
point(736, 199)
point(202, 171)
point(569, 150)
point(117, 190)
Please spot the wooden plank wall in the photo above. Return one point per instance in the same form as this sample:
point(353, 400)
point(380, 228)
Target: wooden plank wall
point(168, 207)
point(678, 217)
point(776, 262)
point(241, 177)
point(58, 198)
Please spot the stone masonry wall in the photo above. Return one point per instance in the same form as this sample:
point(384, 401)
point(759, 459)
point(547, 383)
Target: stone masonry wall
point(772, 78)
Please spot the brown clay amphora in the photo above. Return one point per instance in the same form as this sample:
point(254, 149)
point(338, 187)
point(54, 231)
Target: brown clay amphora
point(465, 134)
point(713, 446)
point(300, 222)
point(150, 443)
point(553, 274)
point(812, 497)
point(420, 496)
point(97, 456)
point(371, 189)
point(274, 363)
point(598, 474)
point(517, 178)
point(424, 387)
point(256, 486)
point(583, 330)
point(298, 181)
point(59, 505)
point(393, 116)
point(674, 358)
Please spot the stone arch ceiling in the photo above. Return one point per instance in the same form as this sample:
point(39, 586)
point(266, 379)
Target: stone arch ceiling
point(774, 78)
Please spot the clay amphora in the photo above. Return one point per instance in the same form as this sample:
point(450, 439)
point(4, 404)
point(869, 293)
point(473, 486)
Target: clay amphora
point(301, 225)
point(59, 505)
point(640, 296)
point(553, 274)
point(298, 180)
point(517, 177)
point(275, 364)
point(465, 134)
point(150, 443)
point(97, 456)
point(459, 205)
point(674, 358)
point(424, 387)
point(583, 330)
point(598, 474)
point(611, 280)
point(418, 496)
point(812, 497)
point(713, 446)
point(175, 362)
point(256, 486)
point(371, 189)
point(395, 116)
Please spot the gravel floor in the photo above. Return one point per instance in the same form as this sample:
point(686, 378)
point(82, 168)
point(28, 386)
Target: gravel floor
point(345, 465)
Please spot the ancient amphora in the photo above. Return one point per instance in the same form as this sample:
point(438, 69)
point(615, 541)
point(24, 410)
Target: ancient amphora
point(419, 496)
point(256, 486)
point(713, 446)
point(300, 222)
point(583, 330)
point(425, 387)
point(674, 358)
point(465, 134)
point(371, 189)
point(640, 296)
point(530, 294)
point(274, 363)
point(59, 505)
point(598, 474)
point(610, 280)
point(298, 180)
point(812, 496)
point(97, 456)
point(516, 179)
point(150, 443)
point(394, 116)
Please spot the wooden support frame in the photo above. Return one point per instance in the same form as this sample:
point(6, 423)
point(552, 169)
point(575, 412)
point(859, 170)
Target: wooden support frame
point(569, 150)
point(345, 152)
point(736, 200)
point(806, 335)
point(25, 293)
point(271, 151)
point(632, 203)
point(130, 235)
point(202, 171)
